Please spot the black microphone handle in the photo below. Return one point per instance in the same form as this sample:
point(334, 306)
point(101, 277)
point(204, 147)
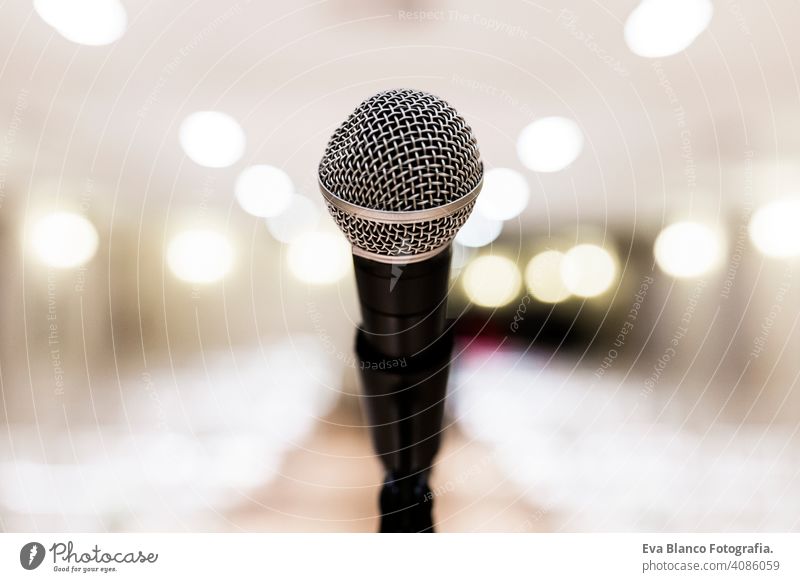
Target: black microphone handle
point(404, 404)
point(404, 347)
point(403, 307)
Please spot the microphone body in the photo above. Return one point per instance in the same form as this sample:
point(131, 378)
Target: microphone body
point(400, 176)
point(404, 354)
point(403, 307)
point(404, 406)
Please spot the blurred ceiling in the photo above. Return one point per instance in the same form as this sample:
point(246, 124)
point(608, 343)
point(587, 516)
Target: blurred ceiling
point(105, 118)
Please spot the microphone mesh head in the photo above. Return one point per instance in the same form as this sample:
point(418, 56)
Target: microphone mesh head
point(407, 154)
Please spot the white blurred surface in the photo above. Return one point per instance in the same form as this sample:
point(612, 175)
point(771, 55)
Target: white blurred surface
point(600, 456)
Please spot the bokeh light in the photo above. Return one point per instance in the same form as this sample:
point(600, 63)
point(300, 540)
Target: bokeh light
point(688, 249)
point(504, 195)
point(319, 258)
point(550, 144)
point(588, 270)
point(87, 22)
point(461, 256)
point(479, 231)
point(300, 216)
point(543, 277)
point(492, 281)
point(64, 240)
point(774, 228)
point(659, 28)
point(200, 256)
point(212, 139)
point(264, 190)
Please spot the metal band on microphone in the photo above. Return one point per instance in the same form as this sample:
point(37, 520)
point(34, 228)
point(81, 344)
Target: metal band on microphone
point(357, 222)
point(398, 216)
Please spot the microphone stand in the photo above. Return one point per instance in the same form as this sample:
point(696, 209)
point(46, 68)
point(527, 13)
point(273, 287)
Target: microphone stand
point(404, 379)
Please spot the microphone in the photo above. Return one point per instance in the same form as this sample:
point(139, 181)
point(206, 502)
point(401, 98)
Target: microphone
point(400, 177)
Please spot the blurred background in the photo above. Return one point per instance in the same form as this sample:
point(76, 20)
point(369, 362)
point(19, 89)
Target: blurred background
point(178, 309)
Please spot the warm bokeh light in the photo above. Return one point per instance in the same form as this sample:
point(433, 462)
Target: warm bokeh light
point(492, 281)
point(543, 277)
point(479, 231)
point(588, 270)
point(200, 256)
point(264, 190)
point(550, 144)
point(774, 228)
point(688, 249)
point(659, 28)
point(212, 139)
point(504, 195)
point(319, 258)
point(300, 216)
point(87, 22)
point(64, 240)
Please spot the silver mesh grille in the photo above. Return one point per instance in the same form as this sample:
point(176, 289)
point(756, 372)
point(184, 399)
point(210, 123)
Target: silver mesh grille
point(400, 175)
